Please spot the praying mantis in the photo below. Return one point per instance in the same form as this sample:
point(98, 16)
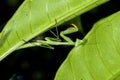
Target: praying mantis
point(34, 17)
point(54, 41)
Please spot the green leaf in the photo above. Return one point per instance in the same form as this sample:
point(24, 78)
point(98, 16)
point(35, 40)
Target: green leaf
point(98, 57)
point(37, 16)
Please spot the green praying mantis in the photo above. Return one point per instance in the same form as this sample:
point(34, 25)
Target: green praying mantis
point(35, 17)
point(55, 41)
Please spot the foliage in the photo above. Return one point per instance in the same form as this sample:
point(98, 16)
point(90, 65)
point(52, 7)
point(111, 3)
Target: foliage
point(96, 57)
point(35, 17)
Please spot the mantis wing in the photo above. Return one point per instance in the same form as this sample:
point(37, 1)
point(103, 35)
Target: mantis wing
point(37, 16)
point(98, 57)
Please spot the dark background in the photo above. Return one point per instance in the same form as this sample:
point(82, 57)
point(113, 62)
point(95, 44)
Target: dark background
point(39, 63)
